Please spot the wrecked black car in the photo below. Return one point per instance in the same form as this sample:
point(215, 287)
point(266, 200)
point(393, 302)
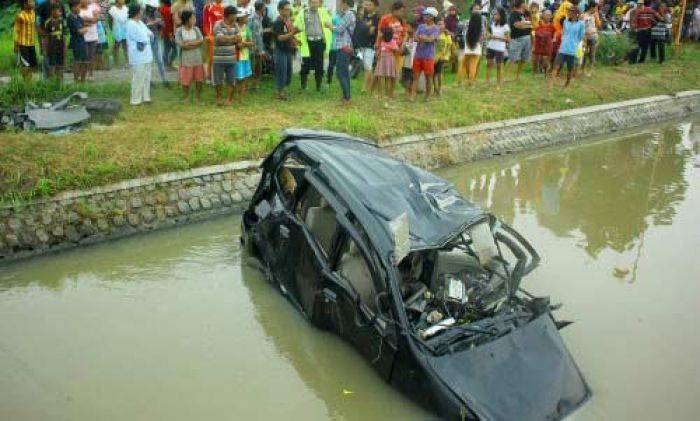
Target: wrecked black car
point(426, 285)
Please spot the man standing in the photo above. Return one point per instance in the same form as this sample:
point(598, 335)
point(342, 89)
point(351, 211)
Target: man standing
point(645, 18)
point(283, 34)
point(154, 23)
point(365, 35)
point(25, 39)
point(226, 37)
point(520, 45)
point(314, 38)
point(213, 14)
point(257, 31)
point(343, 44)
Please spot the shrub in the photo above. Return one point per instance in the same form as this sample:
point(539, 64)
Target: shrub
point(613, 48)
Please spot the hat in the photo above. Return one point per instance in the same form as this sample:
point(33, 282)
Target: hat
point(431, 11)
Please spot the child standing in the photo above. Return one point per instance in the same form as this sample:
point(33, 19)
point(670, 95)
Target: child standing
point(408, 53)
point(424, 60)
point(442, 55)
point(244, 69)
point(386, 66)
point(167, 33)
point(496, 48)
point(119, 15)
point(25, 38)
point(544, 43)
point(190, 39)
point(574, 31)
point(77, 42)
point(55, 45)
point(590, 39)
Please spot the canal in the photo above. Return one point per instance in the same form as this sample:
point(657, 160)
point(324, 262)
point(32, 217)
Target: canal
point(179, 325)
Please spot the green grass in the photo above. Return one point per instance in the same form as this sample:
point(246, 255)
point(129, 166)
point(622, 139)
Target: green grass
point(170, 135)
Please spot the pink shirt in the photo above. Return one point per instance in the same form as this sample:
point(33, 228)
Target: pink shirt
point(388, 48)
point(90, 13)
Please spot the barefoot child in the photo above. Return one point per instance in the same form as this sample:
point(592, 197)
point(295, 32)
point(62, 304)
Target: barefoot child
point(442, 55)
point(244, 69)
point(573, 32)
point(496, 48)
point(407, 54)
point(55, 44)
point(386, 67)
point(424, 61)
point(77, 42)
point(472, 48)
point(190, 40)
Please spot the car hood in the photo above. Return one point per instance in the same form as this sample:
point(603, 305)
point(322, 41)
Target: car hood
point(525, 375)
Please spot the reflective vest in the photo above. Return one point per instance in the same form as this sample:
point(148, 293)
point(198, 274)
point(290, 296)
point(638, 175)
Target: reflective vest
point(300, 22)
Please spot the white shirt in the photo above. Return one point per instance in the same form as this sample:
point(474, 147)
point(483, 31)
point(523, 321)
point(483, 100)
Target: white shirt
point(119, 15)
point(498, 31)
point(136, 31)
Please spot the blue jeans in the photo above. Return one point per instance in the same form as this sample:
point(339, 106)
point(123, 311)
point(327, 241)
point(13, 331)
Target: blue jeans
point(169, 52)
point(155, 49)
point(283, 69)
point(343, 72)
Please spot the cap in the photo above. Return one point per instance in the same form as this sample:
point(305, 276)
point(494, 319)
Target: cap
point(431, 11)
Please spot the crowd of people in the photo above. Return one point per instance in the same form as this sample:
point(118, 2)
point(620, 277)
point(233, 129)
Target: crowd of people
point(232, 46)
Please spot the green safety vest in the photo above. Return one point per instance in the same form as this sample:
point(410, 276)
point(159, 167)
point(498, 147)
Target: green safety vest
point(300, 22)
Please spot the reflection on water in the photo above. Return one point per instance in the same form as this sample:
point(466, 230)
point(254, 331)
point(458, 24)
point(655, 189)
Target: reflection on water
point(605, 194)
point(178, 325)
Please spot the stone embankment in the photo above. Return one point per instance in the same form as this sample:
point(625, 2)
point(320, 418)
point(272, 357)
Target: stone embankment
point(140, 205)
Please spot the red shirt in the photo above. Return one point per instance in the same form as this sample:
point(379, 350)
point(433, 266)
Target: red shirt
point(168, 28)
point(544, 39)
point(645, 18)
point(213, 12)
point(395, 24)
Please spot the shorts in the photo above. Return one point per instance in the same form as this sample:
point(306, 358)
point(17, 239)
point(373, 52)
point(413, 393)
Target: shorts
point(439, 65)
point(244, 69)
point(90, 49)
point(568, 59)
point(27, 56)
point(592, 41)
point(80, 54)
point(188, 74)
point(367, 55)
point(494, 55)
point(55, 58)
point(519, 49)
point(424, 65)
point(224, 72)
point(406, 76)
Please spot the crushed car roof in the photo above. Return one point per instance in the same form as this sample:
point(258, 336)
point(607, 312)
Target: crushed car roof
point(359, 171)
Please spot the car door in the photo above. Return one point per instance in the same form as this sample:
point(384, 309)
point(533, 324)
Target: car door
point(306, 232)
point(354, 282)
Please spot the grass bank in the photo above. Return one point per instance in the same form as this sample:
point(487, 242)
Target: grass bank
point(169, 135)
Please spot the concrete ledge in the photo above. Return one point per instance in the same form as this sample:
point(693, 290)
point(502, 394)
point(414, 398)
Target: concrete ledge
point(133, 206)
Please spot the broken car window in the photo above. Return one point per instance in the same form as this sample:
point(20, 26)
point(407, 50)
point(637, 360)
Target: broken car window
point(353, 267)
point(288, 178)
point(318, 216)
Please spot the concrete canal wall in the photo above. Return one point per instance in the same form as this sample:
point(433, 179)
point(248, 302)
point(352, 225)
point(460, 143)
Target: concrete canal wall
point(83, 217)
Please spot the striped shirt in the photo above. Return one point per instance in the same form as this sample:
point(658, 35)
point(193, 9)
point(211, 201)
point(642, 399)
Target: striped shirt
point(25, 28)
point(224, 50)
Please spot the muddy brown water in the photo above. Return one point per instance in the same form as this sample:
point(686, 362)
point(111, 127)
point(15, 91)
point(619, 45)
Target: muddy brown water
point(177, 325)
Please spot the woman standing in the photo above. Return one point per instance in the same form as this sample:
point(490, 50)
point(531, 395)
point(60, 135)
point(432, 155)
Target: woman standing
point(472, 48)
point(189, 38)
point(138, 40)
point(496, 48)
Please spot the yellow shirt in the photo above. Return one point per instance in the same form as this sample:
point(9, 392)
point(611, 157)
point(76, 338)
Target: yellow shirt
point(25, 28)
point(444, 47)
